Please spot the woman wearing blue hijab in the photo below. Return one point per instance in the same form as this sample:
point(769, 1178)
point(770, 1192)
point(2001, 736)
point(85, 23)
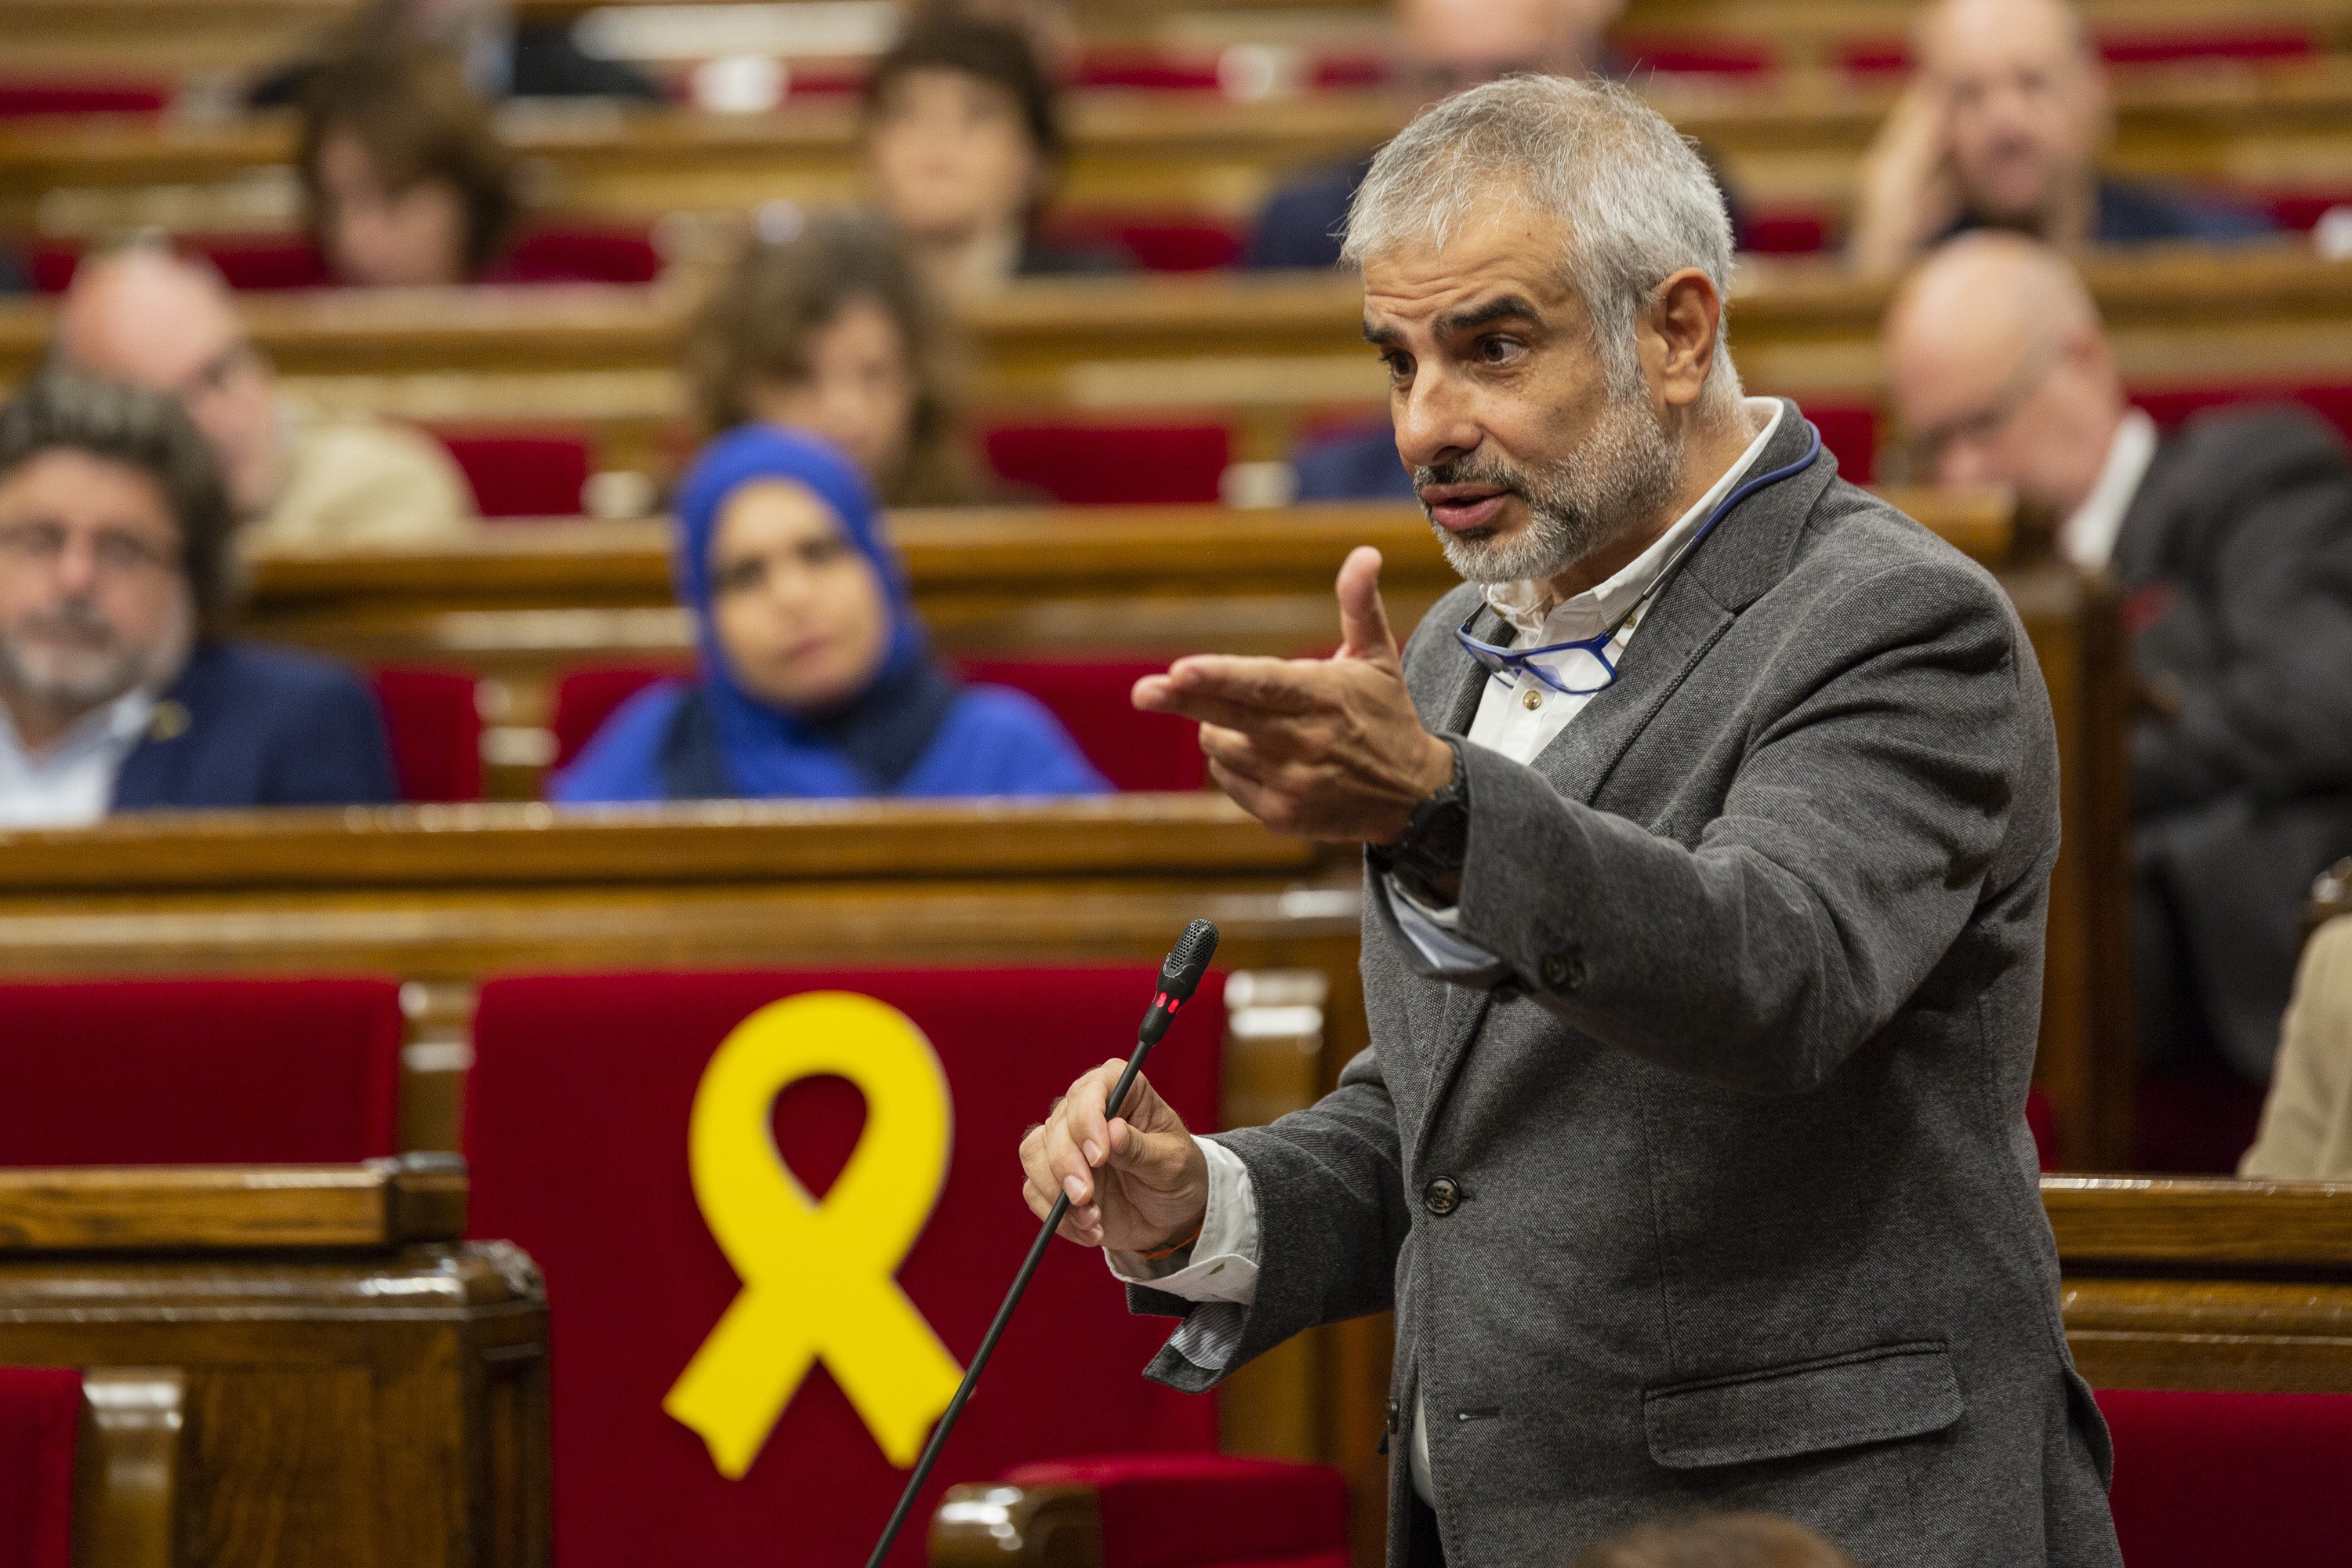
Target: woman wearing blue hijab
point(817, 682)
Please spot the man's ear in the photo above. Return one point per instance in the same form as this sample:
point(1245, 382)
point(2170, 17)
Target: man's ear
point(1684, 317)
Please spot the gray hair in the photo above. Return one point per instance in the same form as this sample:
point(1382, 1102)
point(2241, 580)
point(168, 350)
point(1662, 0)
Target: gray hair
point(1639, 202)
point(148, 431)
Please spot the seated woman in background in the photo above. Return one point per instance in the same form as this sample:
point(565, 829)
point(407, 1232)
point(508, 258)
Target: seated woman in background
point(817, 681)
point(962, 140)
point(830, 331)
point(403, 181)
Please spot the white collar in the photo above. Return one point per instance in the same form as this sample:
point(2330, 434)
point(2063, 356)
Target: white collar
point(2087, 537)
point(117, 723)
point(1583, 614)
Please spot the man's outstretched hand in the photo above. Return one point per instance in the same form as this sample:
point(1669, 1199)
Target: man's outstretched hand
point(1323, 748)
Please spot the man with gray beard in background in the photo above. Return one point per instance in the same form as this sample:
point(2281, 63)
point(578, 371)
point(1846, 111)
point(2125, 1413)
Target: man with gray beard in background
point(1707, 834)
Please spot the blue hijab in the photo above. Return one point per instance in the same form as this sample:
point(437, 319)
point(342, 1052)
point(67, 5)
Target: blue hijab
point(864, 747)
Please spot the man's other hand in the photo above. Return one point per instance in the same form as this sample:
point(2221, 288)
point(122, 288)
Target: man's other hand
point(1323, 748)
point(1136, 1182)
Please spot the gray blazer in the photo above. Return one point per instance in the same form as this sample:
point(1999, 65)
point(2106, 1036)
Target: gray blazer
point(1715, 1189)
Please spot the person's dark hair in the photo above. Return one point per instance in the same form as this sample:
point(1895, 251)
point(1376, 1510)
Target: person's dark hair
point(995, 52)
point(149, 431)
point(757, 324)
point(409, 106)
point(1717, 1540)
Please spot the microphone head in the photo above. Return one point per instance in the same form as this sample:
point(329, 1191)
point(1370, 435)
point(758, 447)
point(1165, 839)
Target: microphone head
point(1188, 961)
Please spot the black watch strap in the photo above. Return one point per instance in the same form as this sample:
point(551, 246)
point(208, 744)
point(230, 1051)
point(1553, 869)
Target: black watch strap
point(1436, 839)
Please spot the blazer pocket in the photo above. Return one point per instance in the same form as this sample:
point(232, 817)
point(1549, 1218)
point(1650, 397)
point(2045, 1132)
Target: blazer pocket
point(1842, 1402)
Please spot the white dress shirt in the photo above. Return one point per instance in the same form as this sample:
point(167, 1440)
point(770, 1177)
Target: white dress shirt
point(1223, 1264)
point(70, 783)
point(2087, 537)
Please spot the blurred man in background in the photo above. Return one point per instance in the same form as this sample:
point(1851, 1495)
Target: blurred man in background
point(1443, 46)
point(2233, 539)
point(297, 476)
point(2002, 127)
point(502, 56)
point(114, 546)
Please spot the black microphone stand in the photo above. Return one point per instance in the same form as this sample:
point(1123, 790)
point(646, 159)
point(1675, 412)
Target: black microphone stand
point(1183, 969)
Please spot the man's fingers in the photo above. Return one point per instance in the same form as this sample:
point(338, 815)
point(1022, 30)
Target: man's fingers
point(1272, 685)
point(1157, 1159)
point(1363, 619)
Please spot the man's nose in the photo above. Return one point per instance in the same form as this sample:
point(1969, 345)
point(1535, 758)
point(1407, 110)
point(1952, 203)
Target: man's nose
point(1433, 424)
point(77, 569)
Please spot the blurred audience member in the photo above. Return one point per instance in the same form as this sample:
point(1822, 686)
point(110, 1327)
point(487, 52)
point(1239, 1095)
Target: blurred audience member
point(963, 140)
point(403, 182)
point(297, 476)
point(831, 330)
point(2232, 539)
point(1051, 25)
point(2306, 1127)
point(1445, 46)
point(114, 533)
point(502, 58)
point(817, 681)
point(2002, 127)
point(1723, 1540)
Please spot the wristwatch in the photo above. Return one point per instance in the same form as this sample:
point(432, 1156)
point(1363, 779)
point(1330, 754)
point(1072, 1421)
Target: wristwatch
point(1436, 838)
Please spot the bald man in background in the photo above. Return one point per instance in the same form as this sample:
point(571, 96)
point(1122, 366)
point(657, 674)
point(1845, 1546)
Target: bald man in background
point(2232, 539)
point(297, 476)
point(1444, 46)
point(2002, 127)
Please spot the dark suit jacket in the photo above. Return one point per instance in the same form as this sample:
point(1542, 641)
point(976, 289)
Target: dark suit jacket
point(1714, 1189)
point(2132, 212)
point(542, 62)
point(251, 726)
point(2237, 551)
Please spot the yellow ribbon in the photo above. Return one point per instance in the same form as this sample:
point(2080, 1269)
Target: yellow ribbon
point(819, 1279)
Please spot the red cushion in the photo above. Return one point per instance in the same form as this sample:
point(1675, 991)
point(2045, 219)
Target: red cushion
point(579, 255)
point(2229, 1480)
point(435, 729)
point(1174, 243)
point(1206, 1510)
point(585, 699)
point(198, 1072)
point(576, 1127)
point(1108, 464)
point(40, 1418)
point(2044, 1123)
point(26, 98)
point(516, 474)
point(2195, 1121)
point(1134, 750)
point(1693, 54)
point(1786, 232)
point(1852, 433)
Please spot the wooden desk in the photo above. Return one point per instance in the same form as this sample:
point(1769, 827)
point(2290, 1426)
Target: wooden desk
point(1785, 142)
point(358, 1384)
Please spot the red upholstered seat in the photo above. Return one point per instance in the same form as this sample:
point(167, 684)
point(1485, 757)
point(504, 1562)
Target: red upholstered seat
point(2230, 1480)
point(1103, 465)
point(199, 1073)
point(1207, 1511)
point(576, 1129)
point(2194, 1122)
point(19, 98)
point(40, 1417)
point(521, 473)
point(2044, 1123)
point(1134, 750)
point(1851, 434)
point(435, 729)
point(579, 255)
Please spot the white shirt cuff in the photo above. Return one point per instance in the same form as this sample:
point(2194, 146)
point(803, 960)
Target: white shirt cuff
point(1435, 932)
point(1223, 1264)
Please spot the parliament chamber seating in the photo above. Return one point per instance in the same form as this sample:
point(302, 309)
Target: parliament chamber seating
point(582, 1105)
point(190, 1071)
point(2208, 1479)
point(519, 474)
point(40, 1415)
point(433, 720)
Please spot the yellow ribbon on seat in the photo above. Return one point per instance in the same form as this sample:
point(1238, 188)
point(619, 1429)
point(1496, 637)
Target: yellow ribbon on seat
point(819, 1277)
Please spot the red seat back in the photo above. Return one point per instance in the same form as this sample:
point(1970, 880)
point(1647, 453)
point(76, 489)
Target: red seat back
point(41, 1419)
point(1206, 1510)
point(577, 1133)
point(1134, 750)
point(2229, 1480)
point(2332, 401)
point(199, 1073)
point(1107, 465)
point(19, 97)
point(435, 729)
point(521, 473)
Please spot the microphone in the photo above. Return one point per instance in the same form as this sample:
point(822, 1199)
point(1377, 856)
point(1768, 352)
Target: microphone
point(1180, 976)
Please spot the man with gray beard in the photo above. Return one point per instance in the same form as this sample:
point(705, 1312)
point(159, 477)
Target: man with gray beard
point(1707, 833)
point(114, 530)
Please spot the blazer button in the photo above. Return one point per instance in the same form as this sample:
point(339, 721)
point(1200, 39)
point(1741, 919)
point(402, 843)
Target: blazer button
point(1563, 972)
point(1441, 1196)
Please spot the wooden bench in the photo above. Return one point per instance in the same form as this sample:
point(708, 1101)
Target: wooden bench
point(1261, 355)
point(289, 1364)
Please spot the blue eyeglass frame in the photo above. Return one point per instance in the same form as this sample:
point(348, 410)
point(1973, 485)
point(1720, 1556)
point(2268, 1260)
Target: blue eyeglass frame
point(1499, 662)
